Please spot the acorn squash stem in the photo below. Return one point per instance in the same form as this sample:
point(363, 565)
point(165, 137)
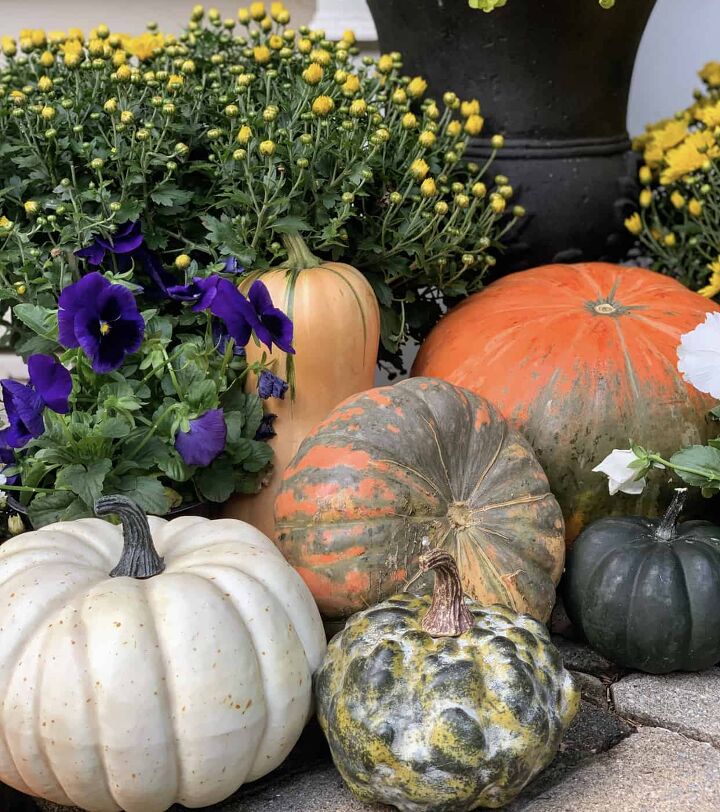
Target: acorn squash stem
point(139, 557)
point(300, 257)
point(447, 616)
point(668, 526)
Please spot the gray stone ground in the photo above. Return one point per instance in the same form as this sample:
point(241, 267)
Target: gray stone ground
point(640, 743)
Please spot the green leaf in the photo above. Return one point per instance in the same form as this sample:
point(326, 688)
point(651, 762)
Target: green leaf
point(175, 468)
point(705, 462)
point(41, 320)
point(85, 480)
point(216, 483)
point(289, 225)
point(202, 395)
point(148, 492)
point(114, 427)
point(59, 506)
point(171, 196)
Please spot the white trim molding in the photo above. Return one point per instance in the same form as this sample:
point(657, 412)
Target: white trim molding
point(336, 16)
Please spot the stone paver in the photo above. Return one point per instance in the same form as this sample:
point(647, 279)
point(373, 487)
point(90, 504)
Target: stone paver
point(653, 770)
point(580, 657)
point(685, 703)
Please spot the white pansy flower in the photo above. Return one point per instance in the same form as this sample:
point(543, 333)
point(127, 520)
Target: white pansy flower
point(699, 356)
point(621, 477)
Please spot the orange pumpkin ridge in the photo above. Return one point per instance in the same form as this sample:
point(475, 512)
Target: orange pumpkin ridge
point(582, 359)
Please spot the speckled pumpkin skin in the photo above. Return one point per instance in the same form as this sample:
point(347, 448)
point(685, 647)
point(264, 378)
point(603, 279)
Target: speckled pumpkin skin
point(444, 724)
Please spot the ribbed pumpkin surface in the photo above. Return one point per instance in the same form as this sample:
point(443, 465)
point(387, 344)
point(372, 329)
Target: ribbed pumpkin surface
point(400, 468)
point(581, 359)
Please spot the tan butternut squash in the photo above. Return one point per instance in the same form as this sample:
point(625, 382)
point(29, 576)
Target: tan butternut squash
point(336, 322)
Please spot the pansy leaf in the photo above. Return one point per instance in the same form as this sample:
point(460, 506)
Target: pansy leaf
point(202, 395)
point(174, 468)
point(85, 480)
point(114, 427)
point(148, 492)
point(47, 508)
point(216, 483)
point(705, 462)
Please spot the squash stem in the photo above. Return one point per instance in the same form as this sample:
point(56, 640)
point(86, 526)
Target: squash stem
point(300, 257)
point(667, 528)
point(448, 616)
point(139, 557)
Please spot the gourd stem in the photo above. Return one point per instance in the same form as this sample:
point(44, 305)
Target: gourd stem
point(447, 616)
point(300, 257)
point(139, 557)
point(667, 528)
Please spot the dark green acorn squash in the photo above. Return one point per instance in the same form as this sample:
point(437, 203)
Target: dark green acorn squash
point(646, 592)
point(440, 704)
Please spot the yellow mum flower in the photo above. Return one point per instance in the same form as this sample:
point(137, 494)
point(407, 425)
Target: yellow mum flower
point(470, 108)
point(45, 84)
point(428, 188)
point(257, 11)
point(276, 42)
point(305, 45)
point(416, 87)
point(349, 37)
point(385, 64)
point(32, 207)
point(710, 74)
point(646, 197)
point(663, 139)
point(454, 128)
point(358, 108)
point(695, 207)
point(243, 15)
point(323, 106)
point(261, 53)
point(427, 138)
point(47, 59)
point(119, 58)
point(5, 224)
point(175, 82)
point(321, 57)
point(670, 240)
point(677, 200)
point(689, 156)
point(419, 169)
point(38, 38)
point(634, 224)
point(313, 74)
point(267, 148)
point(710, 115)
point(645, 174)
point(277, 10)
point(497, 203)
point(713, 286)
point(56, 37)
point(9, 46)
point(409, 121)
point(123, 73)
point(474, 124)
point(76, 33)
point(244, 135)
point(351, 86)
point(145, 46)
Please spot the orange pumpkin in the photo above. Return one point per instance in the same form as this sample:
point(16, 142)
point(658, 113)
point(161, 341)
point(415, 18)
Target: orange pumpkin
point(582, 359)
point(336, 322)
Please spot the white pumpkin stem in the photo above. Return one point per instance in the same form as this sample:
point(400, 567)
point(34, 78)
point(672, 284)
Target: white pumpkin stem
point(667, 528)
point(139, 557)
point(448, 616)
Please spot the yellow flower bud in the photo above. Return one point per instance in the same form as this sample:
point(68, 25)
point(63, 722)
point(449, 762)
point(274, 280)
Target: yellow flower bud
point(497, 203)
point(695, 207)
point(257, 11)
point(505, 191)
point(419, 169)
point(399, 96)
point(276, 10)
point(32, 207)
point(454, 128)
point(175, 83)
point(96, 47)
point(385, 64)
point(409, 121)
point(519, 211)
point(670, 240)
point(462, 201)
point(243, 15)
point(123, 73)
point(197, 13)
point(677, 200)
point(321, 57)
point(5, 225)
point(9, 46)
point(47, 60)
point(470, 108)
point(188, 67)
point(244, 135)
point(358, 108)
point(451, 100)
point(261, 54)
point(239, 155)
point(645, 174)
point(305, 45)
point(45, 84)
point(182, 262)
point(416, 87)
point(351, 86)
point(432, 111)
point(313, 74)
point(18, 98)
point(232, 111)
point(382, 134)
point(323, 106)
point(276, 42)
point(646, 197)
point(102, 31)
point(427, 138)
point(428, 188)
point(474, 124)
point(267, 148)
point(127, 117)
point(48, 112)
point(119, 58)
point(479, 190)
point(634, 224)
point(20, 287)
point(497, 142)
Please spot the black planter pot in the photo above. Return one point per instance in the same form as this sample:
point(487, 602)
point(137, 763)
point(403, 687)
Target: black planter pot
point(553, 76)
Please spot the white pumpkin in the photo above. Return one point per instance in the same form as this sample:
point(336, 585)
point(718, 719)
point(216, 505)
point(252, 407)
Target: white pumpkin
point(122, 693)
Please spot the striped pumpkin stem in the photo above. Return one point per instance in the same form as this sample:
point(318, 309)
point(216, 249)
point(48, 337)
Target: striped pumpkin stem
point(448, 616)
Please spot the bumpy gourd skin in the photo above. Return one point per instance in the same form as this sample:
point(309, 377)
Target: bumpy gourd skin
point(447, 724)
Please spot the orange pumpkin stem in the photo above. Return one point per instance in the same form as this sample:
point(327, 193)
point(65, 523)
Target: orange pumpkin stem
point(448, 616)
point(300, 257)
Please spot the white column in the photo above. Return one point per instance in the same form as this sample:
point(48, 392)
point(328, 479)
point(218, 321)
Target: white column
point(336, 16)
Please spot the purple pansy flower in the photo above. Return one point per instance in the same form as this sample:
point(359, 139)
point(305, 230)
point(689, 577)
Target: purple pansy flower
point(50, 386)
point(234, 309)
point(101, 318)
point(265, 430)
point(125, 240)
point(161, 278)
point(7, 456)
point(270, 386)
point(221, 338)
point(233, 266)
point(205, 439)
point(273, 326)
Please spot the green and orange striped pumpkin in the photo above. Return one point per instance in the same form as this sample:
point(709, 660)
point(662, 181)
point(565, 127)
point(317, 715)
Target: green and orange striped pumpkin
point(421, 464)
